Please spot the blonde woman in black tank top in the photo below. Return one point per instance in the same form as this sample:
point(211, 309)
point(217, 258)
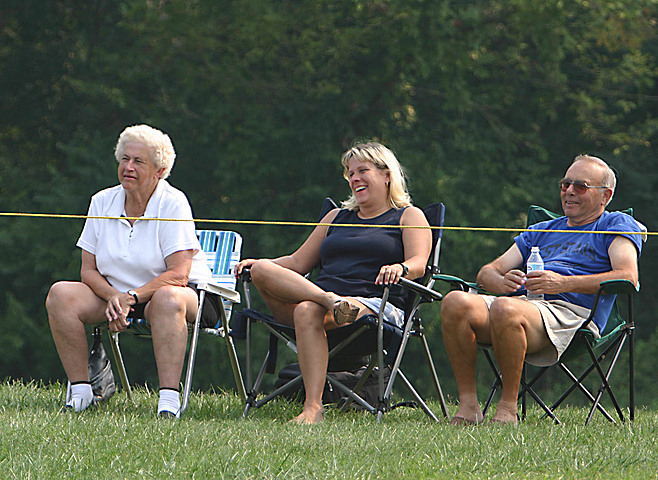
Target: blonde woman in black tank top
point(378, 193)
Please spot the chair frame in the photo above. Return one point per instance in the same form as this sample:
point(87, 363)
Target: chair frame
point(412, 327)
point(222, 330)
point(615, 341)
point(612, 350)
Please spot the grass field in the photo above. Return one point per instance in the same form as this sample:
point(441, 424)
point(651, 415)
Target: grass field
point(119, 440)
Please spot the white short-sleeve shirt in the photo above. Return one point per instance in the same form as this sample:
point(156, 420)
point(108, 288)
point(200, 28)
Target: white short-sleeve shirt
point(130, 256)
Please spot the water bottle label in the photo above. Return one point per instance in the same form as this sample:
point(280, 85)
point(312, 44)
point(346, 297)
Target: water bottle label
point(534, 266)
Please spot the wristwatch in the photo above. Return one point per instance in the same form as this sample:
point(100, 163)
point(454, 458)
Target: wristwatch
point(134, 295)
point(405, 270)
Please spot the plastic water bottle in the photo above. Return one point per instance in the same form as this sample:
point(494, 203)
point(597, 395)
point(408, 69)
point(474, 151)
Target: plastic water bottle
point(535, 262)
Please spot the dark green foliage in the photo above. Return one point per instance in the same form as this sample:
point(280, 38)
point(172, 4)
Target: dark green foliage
point(485, 103)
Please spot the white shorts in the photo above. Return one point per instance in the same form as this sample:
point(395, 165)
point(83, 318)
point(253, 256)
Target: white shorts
point(392, 314)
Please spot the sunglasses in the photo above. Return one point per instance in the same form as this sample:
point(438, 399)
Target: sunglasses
point(579, 186)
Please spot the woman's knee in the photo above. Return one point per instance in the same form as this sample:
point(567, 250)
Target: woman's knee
point(261, 270)
point(169, 299)
point(308, 314)
point(60, 296)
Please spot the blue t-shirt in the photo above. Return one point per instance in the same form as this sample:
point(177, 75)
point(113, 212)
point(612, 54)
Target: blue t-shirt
point(573, 253)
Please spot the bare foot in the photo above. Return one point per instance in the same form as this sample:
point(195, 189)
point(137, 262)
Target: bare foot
point(505, 414)
point(465, 417)
point(468, 413)
point(461, 422)
point(309, 416)
point(499, 421)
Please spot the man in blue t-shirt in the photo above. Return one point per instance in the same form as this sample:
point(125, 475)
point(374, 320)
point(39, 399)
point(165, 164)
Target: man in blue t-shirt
point(575, 263)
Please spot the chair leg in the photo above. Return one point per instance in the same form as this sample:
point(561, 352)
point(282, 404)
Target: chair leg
point(435, 377)
point(498, 381)
point(494, 388)
point(235, 365)
point(118, 359)
point(576, 382)
point(523, 392)
point(353, 396)
point(192, 355)
point(605, 386)
point(253, 389)
point(279, 391)
point(233, 358)
point(359, 385)
point(526, 388)
point(631, 373)
point(416, 396)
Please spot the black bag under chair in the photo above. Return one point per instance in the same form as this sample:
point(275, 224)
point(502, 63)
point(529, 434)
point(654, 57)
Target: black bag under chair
point(369, 390)
point(369, 344)
point(100, 369)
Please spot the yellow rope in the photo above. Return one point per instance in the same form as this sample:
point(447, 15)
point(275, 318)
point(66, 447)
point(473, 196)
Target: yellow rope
point(310, 224)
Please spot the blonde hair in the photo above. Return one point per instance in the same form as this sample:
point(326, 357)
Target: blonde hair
point(159, 145)
point(383, 159)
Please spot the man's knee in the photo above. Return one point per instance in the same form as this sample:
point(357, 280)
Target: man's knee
point(457, 305)
point(505, 312)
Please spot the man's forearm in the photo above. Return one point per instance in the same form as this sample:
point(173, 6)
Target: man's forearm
point(490, 279)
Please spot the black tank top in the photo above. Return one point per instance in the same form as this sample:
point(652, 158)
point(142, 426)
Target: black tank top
point(352, 256)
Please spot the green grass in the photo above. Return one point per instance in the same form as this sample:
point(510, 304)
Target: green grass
point(119, 440)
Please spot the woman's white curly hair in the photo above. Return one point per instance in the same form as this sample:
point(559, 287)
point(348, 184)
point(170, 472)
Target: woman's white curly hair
point(158, 144)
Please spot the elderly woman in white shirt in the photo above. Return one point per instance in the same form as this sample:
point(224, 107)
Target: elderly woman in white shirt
point(133, 267)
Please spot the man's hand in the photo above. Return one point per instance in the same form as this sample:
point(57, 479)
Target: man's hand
point(513, 280)
point(544, 281)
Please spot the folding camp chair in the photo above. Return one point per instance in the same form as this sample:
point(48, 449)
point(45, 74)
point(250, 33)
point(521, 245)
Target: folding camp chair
point(600, 351)
point(368, 337)
point(222, 249)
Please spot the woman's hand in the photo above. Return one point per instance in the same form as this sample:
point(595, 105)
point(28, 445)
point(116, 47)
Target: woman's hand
point(246, 263)
point(117, 310)
point(389, 274)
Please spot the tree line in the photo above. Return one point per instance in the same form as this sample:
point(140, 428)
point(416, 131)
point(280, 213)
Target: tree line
point(484, 102)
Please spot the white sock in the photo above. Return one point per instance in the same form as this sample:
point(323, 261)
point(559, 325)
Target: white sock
point(169, 401)
point(79, 395)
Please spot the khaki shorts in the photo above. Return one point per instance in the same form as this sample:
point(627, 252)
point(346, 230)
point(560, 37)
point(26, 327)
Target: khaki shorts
point(561, 321)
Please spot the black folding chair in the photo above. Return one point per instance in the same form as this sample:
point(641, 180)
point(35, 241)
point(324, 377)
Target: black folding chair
point(603, 352)
point(369, 336)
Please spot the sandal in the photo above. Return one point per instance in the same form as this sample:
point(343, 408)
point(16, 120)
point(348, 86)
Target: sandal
point(344, 312)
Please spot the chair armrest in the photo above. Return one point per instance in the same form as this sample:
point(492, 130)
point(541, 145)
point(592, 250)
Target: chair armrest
point(618, 287)
point(459, 283)
point(427, 293)
point(245, 275)
point(215, 289)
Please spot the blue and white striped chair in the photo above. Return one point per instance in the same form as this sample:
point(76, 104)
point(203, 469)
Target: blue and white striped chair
point(222, 249)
